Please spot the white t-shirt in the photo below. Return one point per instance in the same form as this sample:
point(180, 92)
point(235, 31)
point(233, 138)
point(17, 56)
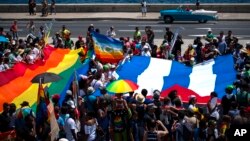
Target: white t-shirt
point(35, 52)
point(213, 103)
point(69, 125)
point(146, 53)
point(91, 131)
point(96, 84)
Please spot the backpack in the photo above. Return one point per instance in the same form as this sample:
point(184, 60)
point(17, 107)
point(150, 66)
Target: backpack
point(187, 131)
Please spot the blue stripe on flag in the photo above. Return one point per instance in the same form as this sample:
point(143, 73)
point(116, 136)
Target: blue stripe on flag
point(179, 74)
point(226, 74)
point(133, 68)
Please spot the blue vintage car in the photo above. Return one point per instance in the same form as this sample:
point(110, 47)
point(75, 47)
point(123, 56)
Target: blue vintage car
point(180, 14)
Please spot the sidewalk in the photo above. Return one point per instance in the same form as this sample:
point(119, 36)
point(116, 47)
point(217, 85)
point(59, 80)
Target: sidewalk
point(111, 16)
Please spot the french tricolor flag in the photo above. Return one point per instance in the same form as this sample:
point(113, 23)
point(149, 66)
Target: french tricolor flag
point(165, 75)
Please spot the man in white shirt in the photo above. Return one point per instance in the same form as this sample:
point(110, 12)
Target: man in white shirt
point(35, 52)
point(146, 50)
point(111, 32)
point(97, 83)
point(71, 127)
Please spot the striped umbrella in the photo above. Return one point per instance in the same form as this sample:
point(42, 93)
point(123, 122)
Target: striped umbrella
point(122, 86)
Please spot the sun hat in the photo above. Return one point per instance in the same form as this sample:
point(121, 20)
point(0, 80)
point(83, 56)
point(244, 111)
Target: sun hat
point(71, 104)
point(69, 92)
point(90, 90)
point(140, 98)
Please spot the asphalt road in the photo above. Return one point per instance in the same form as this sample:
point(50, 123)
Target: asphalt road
point(188, 30)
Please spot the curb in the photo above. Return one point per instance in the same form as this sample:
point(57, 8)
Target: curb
point(97, 19)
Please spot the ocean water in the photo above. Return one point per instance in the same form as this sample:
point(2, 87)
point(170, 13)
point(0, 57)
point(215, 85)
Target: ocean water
point(126, 1)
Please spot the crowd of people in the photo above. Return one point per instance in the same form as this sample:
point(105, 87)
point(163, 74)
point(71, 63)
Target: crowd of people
point(134, 117)
point(45, 10)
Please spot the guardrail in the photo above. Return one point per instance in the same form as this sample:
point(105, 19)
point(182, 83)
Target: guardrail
point(115, 7)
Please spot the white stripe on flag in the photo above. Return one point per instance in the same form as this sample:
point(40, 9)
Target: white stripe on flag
point(153, 76)
point(202, 79)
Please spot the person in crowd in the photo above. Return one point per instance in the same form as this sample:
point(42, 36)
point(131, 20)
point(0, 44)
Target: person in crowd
point(32, 7)
point(5, 118)
point(150, 35)
point(53, 7)
point(163, 51)
point(212, 132)
point(97, 82)
point(198, 50)
point(209, 51)
point(154, 133)
point(65, 33)
point(80, 43)
point(103, 115)
point(14, 30)
point(212, 106)
point(29, 129)
point(158, 103)
point(145, 47)
point(234, 111)
point(44, 8)
point(56, 40)
point(119, 119)
point(230, 37)
point(209, 36)
point(71, 127)
point(144, 8)
point(111, 32)
point(169, 34)
point(90, 100)
point(178, 45)
point(68, 43)
point(137, 34)
point(197, 4)
point(192, 103)
point(140, 109)
point(90, 127)
point(222, 46)
point(227, 99)
point(177, 127)
point(190, 55)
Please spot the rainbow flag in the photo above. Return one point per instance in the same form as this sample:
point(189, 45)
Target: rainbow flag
point(16, 86)
point(107, 49)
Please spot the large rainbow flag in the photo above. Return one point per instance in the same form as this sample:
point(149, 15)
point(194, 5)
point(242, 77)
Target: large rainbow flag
point(16, 86)
point(107, 49)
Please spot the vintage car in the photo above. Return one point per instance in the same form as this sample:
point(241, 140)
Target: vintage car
point(181, 14)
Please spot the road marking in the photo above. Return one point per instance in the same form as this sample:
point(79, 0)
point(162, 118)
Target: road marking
point(229, 28)
point(152, 25)
point(238, 36)
point(128, 30)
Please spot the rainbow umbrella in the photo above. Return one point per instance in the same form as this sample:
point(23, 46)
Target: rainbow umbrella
point(121, 86)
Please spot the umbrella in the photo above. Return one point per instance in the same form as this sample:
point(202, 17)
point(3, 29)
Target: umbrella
point(3, 39)
point(46, 77)
point(185, 94)
point(122, 86)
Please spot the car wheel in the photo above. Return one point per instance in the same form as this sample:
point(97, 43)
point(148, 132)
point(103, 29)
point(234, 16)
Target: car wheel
point(168, 19)
point(202, 21)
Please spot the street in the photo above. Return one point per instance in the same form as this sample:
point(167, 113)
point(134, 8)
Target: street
point(241, 29)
